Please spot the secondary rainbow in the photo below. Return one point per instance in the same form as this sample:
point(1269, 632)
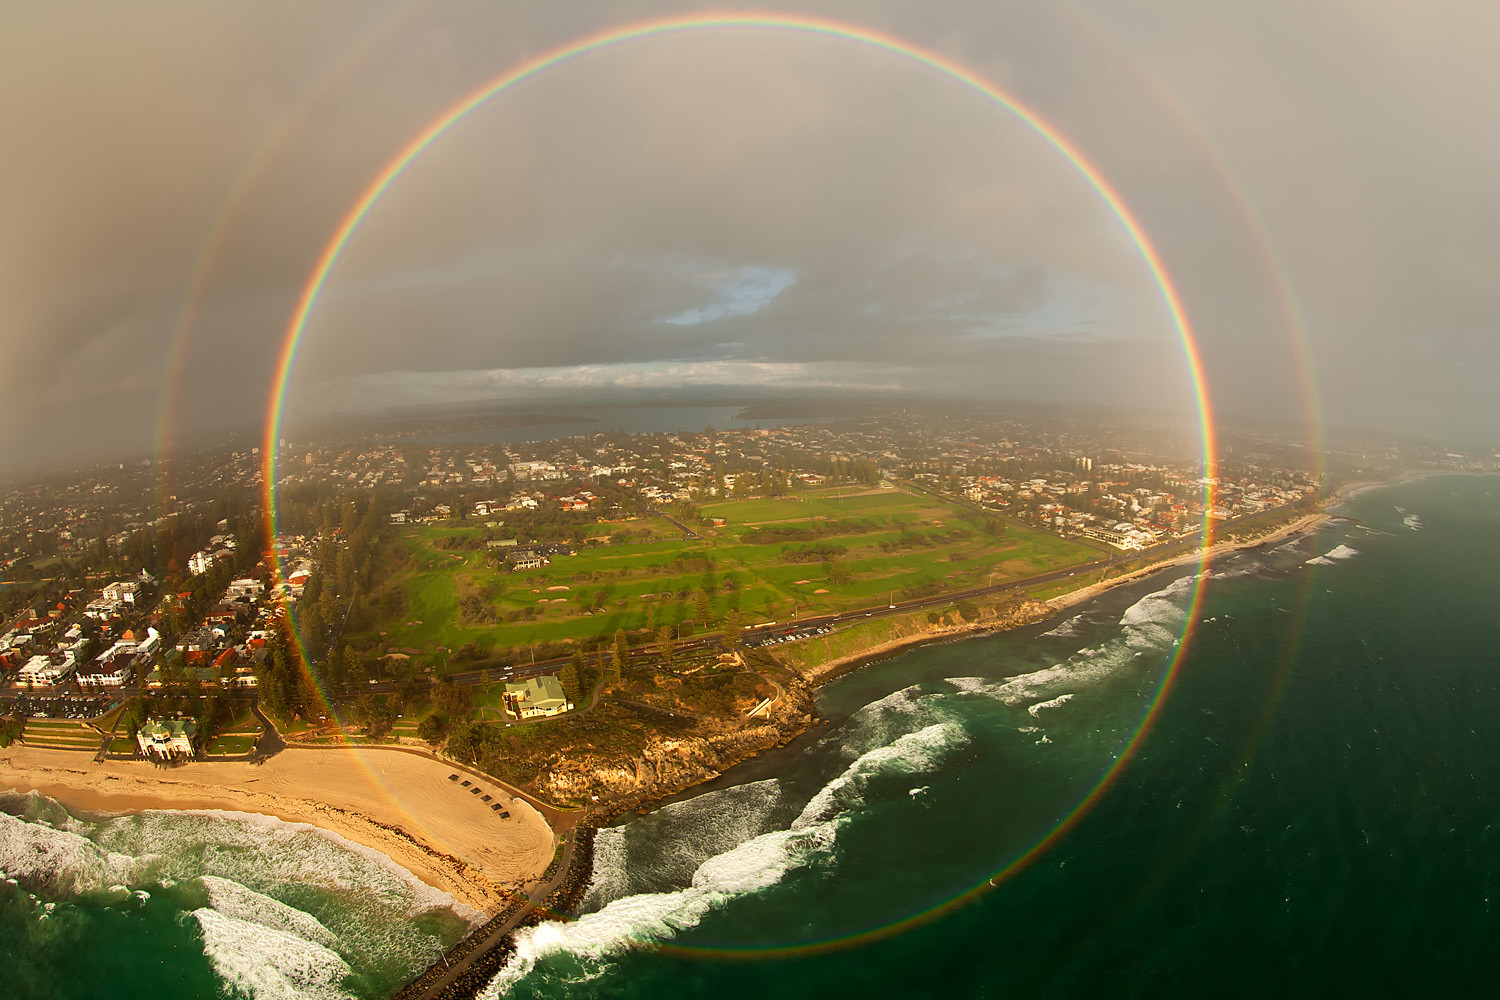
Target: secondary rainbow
point(837, 32)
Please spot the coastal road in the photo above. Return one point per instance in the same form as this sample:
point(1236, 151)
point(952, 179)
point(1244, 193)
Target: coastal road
point(1162, 551)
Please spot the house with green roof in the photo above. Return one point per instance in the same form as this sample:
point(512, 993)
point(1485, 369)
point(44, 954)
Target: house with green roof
point(167, 739)
point(536, 696)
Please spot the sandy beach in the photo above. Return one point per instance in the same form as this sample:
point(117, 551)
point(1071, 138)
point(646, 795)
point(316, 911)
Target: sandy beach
point(824, 672)
point(401, 805)
point(1213, 554)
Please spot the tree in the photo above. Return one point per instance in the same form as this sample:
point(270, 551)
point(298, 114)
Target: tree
point(568, 676)
point(465, 742)
point(733, 630)
point(432, 728)
point(355, 671)
point(702, 610)
point(665, 638)
point(453, 700)
point(378, 722)
point(617, 658)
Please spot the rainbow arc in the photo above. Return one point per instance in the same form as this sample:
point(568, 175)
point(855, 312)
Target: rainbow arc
point(836, 33)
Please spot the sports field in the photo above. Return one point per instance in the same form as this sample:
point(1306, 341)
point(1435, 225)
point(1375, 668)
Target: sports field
point(772, 559)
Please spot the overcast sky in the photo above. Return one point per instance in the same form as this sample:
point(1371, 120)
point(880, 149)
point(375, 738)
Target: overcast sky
point(743, 207)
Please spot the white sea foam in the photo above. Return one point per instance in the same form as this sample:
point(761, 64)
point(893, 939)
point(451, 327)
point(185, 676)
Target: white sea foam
point(1336, 554)
point(1067, 629)
point(667, 847)
point(911, 754)
point(248, 847)
point(1151, 624)
point(400, 884)
point(611, 878)
point(1412, 521)
point(232, 864)
point(1058, 702)
point(756, 864)
point(269, 964)
point(234, 900)
point(1240, 568)
point(883, 720)
point(66, 861)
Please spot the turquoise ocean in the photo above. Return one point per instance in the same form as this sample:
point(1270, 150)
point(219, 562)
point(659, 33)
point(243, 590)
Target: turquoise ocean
point(1311, 812)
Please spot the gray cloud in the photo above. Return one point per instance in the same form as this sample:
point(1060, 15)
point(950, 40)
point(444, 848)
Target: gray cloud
point(788, 210)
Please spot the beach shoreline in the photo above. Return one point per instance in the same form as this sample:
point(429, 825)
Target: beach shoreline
point(823, 673)
point(400, 806)
point(454, 846)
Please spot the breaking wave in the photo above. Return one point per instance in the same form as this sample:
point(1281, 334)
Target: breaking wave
point(884, 720)
point(1336, 554)
point(1067, 629)
point(1035, 710)
point(1152, 624)
point(230, 899)
point(664, 849)
point(283, 908)
point(911, 754)
point(267, 963)
point(753, 865)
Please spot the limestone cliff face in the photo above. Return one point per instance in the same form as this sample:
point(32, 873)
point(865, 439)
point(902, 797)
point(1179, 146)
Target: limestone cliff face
point(671, 764)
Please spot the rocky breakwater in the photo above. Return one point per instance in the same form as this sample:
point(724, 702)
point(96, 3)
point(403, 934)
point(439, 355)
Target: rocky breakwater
point(670, 764)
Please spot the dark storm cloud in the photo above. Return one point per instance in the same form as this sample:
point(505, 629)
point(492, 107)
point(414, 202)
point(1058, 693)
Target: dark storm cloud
point(741, 208)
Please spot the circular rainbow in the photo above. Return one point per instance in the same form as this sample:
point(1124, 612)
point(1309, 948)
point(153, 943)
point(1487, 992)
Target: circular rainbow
point(845, 34)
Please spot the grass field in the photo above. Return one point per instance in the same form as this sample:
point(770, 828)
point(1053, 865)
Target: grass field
point(231, 744)
point(885, 543)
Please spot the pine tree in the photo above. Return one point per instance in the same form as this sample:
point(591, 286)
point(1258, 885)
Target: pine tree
point(702, 610)
point(568, 676)
point(617, 659)
point(666, 638)
point(732, 627)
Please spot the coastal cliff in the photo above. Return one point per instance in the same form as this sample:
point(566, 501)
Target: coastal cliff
point(668, 764)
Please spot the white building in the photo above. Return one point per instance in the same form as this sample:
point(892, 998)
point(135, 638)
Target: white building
point(166, 739)
point(40, 671)
point(122, 592)
point(246, 588)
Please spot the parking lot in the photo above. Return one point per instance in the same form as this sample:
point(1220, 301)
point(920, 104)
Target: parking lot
point(791, 635)
point(85, 706)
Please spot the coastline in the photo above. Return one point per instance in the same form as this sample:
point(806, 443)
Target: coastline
point(825, 672)
point(401, 806)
